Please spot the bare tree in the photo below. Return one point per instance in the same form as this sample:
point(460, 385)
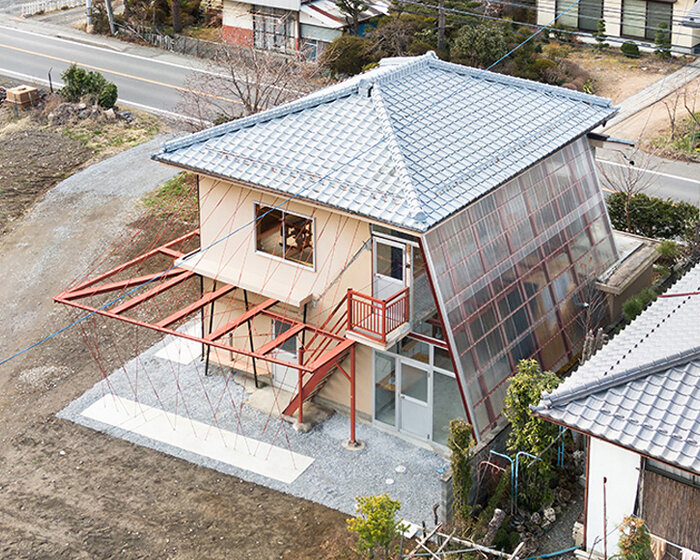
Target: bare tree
point(629, 177)
point(177, 17)
point(241, 81)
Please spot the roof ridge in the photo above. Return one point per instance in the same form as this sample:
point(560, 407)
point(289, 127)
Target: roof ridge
point(410, 193)
point(484, 74)
point(312, 99)
point(626, 376)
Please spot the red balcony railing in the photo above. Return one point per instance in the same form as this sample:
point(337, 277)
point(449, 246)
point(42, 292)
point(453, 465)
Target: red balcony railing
point(376, 318)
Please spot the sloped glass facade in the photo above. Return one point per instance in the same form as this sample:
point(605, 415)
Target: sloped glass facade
point(509, 273)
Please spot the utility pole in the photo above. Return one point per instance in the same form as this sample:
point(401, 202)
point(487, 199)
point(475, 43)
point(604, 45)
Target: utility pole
point(110, 16)
point(441, 26)
point(88, 16)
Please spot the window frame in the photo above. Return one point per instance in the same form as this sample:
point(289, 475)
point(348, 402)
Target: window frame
point(312, 266)
point(646, 29)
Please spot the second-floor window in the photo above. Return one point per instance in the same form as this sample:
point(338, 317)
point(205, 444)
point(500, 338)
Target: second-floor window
point(285, 235)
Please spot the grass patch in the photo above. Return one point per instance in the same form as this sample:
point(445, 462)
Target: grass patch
point(109, 138)
point(177, 197)
point(683, 142)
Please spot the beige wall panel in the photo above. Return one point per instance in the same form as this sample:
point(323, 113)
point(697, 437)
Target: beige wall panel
point(227, 213)
point(237, 14)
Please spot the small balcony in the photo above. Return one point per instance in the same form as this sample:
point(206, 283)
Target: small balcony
point(382, 321)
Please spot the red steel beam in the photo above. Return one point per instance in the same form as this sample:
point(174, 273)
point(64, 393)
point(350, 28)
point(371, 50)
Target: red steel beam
point(286, 335)
point(237, 322)
point(138, 300)
point(198, 339)
point(196, 306)
point(311, 328)
point(133, 261)
point(121, 284)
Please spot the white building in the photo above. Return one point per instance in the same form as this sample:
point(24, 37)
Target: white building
point(289, 25)
point(635, 20)
point(637, 401)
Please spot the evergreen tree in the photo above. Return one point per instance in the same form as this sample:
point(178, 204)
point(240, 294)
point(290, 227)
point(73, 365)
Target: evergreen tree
point(662, 40)
point(600, 36)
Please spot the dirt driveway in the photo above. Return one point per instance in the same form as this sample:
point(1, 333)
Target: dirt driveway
point(69, 492)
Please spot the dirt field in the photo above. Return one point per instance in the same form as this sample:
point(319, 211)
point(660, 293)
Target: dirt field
point(67, 492)
point(654, 122)
point(35, 156)
point(616, 76)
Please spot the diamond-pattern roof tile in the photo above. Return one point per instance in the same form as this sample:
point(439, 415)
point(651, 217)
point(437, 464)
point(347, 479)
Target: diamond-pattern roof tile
point(408, 143)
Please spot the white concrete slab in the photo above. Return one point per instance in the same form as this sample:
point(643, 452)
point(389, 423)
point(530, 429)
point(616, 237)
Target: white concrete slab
point(200, 438)
point(181, 350)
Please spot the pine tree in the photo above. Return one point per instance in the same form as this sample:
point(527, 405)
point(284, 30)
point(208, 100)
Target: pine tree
point(600, 36)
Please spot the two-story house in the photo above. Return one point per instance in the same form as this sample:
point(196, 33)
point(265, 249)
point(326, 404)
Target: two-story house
point(391, 245)
point(285, 26)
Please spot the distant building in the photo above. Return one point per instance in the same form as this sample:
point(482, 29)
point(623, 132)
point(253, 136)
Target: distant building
point(635, 20)
point(394, 244)
point(638, 403)
point(289, 25)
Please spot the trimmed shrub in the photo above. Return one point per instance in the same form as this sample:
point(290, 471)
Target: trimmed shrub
point(79, 83)
point(630, 49)
point(479, 45)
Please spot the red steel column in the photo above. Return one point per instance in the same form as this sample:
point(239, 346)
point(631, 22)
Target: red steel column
point(352, 395)
point(301, 379)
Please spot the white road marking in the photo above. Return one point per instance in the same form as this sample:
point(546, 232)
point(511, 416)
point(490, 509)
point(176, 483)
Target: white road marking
point(678, 177)
point(221, 445)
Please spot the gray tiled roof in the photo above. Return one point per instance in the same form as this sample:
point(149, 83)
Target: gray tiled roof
point(642, 390)
point(408, 143)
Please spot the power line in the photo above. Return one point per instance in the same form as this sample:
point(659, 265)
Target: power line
point(278, 206)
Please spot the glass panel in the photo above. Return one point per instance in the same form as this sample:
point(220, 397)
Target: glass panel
point(390, 261)
point(633, 17)
point(445, 406)
point(589, 13)
point(385, 388)
point(414, 349)
point(442, 359)
point(425, 318)
point(568, 12)
point(299, 236)
point(268, 231)
point(289, 345)
point(414, 382)
point(658, 13)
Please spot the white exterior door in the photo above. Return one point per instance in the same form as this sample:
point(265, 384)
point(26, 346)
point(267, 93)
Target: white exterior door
point(285, 377)
point(414, 403)
point(389, 268)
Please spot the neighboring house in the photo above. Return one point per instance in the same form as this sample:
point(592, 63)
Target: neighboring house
point(289, 25)
point(416, 230)
point(638, 403)
point(635, 20)
point(692, 18)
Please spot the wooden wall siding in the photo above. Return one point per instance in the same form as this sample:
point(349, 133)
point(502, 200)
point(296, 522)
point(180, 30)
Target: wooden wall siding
point(671, 510)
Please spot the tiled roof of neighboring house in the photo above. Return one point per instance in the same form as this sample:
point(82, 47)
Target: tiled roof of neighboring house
point(692, 18)
point(642, 390)
point(408, 143)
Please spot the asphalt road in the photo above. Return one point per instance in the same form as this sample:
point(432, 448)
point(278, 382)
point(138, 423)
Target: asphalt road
point(664, 178)
point(143, 82)
point(157, 85)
